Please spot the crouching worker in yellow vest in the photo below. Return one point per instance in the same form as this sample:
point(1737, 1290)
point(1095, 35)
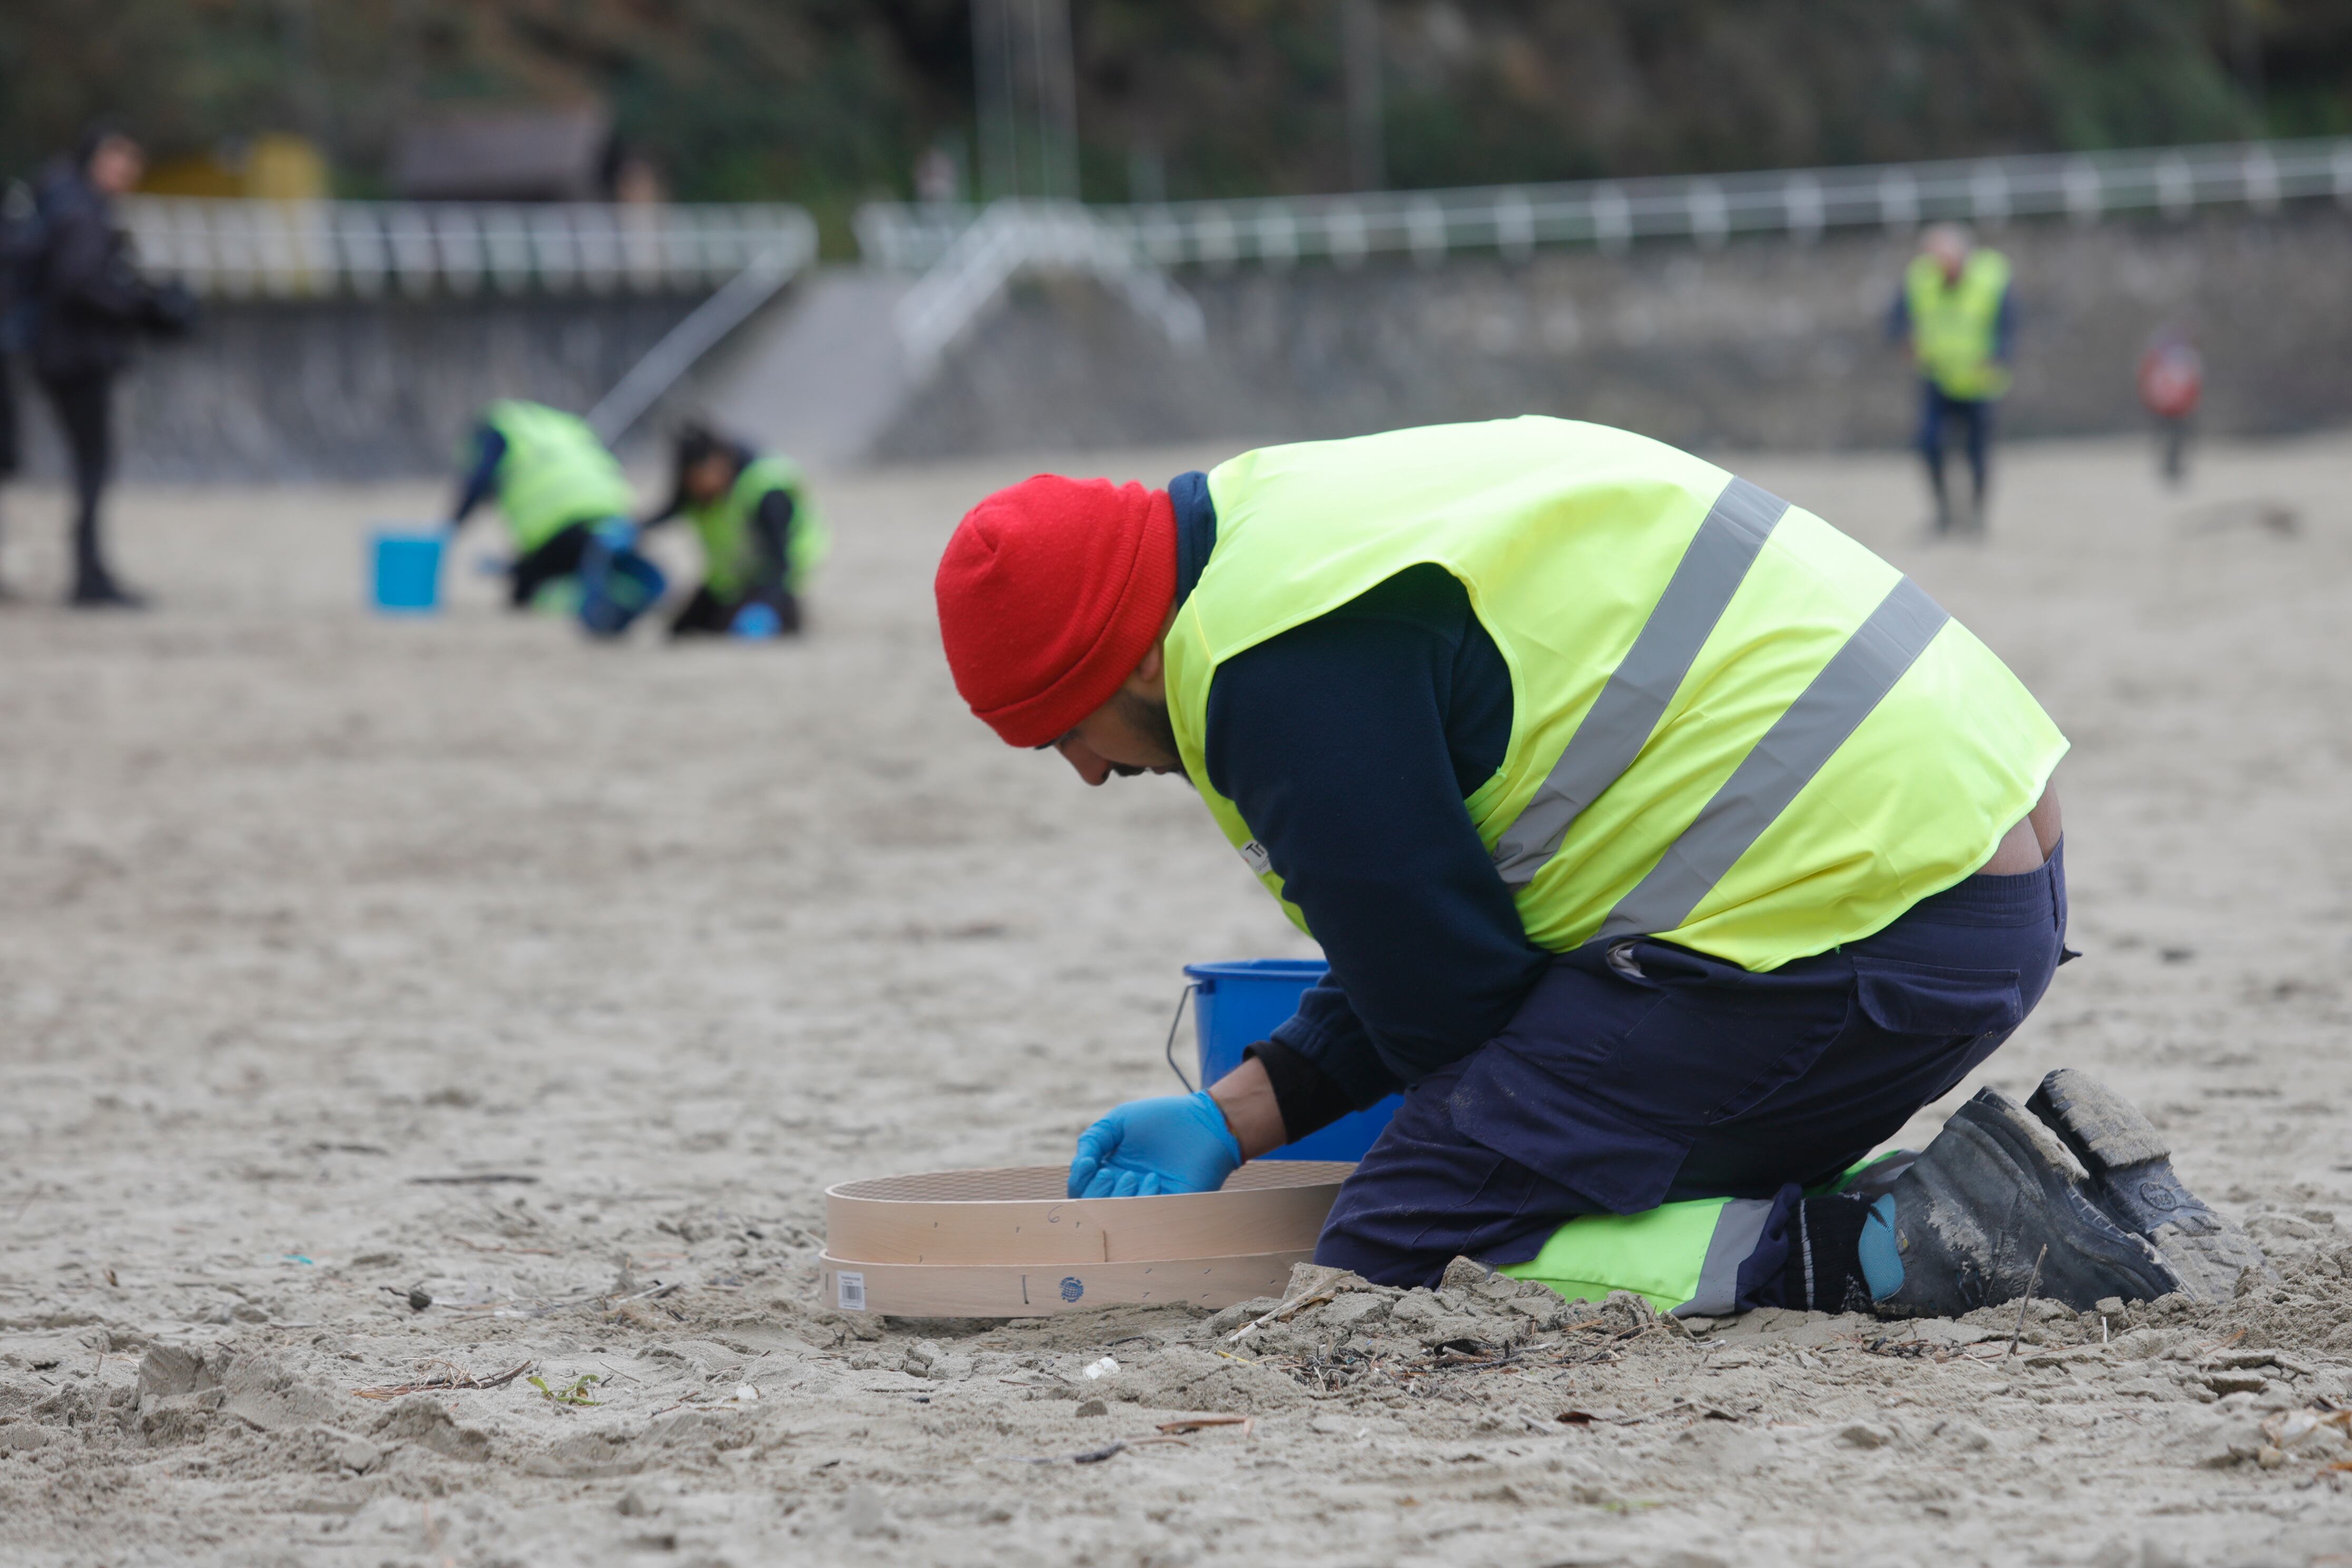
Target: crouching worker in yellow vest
point(554, 483)
point(1668, 848)
point(760, 538)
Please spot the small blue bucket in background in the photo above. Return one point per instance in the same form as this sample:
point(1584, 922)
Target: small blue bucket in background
point(1237, 1004)
point(406, 575)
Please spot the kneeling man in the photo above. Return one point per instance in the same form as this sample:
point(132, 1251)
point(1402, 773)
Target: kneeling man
point(1668, 848)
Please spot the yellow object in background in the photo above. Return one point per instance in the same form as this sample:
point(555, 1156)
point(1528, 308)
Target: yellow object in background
point(276, 166)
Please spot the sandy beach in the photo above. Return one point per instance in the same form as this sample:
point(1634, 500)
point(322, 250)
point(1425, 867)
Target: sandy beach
point(348, 963)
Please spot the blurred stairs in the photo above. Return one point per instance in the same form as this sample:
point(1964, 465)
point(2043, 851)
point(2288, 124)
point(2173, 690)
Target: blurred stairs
point(820, 378)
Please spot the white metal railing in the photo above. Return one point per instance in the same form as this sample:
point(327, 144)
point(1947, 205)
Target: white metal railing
point(1704, 209)
point(971, 272)
point(909, 236)
point(684, 344)
point(238, 249)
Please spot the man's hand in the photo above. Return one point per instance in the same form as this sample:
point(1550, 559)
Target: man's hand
point(1149, 1147)
point(1246, 1097)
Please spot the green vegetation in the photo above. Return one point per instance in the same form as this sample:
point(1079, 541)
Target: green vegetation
point(574, 1393)
point(829, 101)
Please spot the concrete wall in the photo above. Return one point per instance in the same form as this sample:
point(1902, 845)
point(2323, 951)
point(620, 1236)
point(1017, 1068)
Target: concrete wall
point(350, 389)
point(1768, 343)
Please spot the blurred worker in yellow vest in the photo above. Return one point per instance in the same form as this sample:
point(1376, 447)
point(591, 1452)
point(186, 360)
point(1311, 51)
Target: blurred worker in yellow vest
point(1954, 318)
point(554, 484)
point(759, 536)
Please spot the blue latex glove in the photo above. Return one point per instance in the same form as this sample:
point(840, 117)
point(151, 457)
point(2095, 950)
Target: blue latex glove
point(756, 622)
point(1149, 1147)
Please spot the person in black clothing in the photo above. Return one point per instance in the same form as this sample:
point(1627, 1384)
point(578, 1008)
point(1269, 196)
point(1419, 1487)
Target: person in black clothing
point(89, 304)
point(8, 458)
point(16, 234)
point(7, 416)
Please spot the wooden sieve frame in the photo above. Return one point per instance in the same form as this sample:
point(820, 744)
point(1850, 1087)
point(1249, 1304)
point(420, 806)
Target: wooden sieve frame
point(1007, 1243)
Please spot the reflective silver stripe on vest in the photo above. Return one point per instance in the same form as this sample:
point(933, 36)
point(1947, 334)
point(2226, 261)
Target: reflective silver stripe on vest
point(1737, 1229)
point(1621, 719)
point(1798, 744)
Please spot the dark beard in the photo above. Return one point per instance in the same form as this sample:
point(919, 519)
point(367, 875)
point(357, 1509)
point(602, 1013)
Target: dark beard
point(1152, 721)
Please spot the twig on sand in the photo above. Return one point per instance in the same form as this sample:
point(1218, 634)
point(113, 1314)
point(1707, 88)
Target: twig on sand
point(478, 1246)
point(1096, 1456)
point(454, 1378)
point(1248, 1424)
point(2027, 1299)
point(1697, 1407)
point(470, 1179)
point(602, 1303)
point(1090, 1456)
point(1288, 1310)
point(1473, 1354)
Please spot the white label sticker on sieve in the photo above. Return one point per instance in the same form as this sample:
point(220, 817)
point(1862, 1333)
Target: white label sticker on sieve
point(1255, 856)
point(853, 1293)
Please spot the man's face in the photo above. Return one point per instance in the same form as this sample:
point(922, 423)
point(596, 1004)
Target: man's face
point(707, 479)
point(116, 164)
point(1128, 735)
point(1949, 253)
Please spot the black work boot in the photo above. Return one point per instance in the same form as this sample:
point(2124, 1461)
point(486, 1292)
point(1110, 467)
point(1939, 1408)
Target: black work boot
point(100, 591)
point(94, 587)
point(2132, 1180)
point(1989, 1211)
point(1941, 524)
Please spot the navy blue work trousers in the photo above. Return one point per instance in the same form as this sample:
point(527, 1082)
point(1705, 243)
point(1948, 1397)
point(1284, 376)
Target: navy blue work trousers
point(1973, 416)
point(1638, 1073)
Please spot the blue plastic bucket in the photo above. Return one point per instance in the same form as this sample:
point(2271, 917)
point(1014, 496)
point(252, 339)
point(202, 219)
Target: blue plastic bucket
point(1237, 1004)
point(406, 576)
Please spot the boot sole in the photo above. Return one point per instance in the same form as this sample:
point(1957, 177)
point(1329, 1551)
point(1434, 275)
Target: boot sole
point(1997, 1183)
point(2117, 1247)
point(2132, 1180)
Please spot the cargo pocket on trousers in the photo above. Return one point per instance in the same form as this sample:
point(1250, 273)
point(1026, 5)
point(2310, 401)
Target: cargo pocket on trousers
point(1930, 1000)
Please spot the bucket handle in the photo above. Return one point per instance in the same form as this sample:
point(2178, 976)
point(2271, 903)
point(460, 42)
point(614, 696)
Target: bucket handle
point(1181, 997)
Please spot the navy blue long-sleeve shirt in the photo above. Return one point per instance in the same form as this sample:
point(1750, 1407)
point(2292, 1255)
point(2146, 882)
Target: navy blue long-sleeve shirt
point(1349, 745)
point(490, 451)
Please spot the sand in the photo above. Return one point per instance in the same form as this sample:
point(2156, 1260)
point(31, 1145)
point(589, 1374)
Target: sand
point(307, 913)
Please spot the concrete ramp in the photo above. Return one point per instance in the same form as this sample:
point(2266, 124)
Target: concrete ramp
point(821, 378)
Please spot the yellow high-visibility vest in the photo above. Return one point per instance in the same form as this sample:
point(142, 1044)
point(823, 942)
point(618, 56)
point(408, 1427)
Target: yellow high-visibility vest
point(1732, 727)
point(555, 472)
point(729, 553)
point(1955, 327)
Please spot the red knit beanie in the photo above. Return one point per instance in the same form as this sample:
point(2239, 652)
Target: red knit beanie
point(1050, 593)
